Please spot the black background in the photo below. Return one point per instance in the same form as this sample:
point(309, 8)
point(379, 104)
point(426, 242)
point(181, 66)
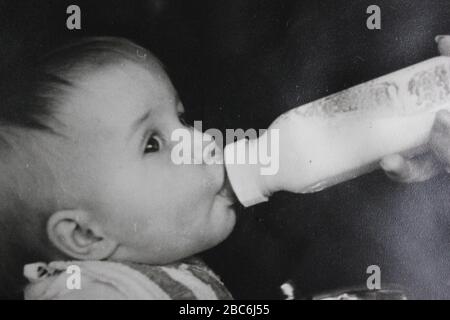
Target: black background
point(241, 63)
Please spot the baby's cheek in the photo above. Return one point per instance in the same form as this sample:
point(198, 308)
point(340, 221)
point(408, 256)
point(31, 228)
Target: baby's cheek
point(214, 177)
point(192, 199)
point(203, 179)
point(123, 200)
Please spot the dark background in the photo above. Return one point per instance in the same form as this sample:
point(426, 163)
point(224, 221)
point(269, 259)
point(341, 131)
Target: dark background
point(241, 63)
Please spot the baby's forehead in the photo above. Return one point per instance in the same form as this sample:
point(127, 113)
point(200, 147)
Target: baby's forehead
point(120, 90)
point(123, 71)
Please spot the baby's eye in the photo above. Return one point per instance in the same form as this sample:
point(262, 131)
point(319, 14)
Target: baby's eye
point(153, 144)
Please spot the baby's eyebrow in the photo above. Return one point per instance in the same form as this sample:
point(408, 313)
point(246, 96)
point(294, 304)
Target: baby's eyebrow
point(138, 122)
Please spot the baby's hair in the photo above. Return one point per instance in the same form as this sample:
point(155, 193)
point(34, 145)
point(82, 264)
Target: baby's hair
point(30, 94)
point(29, 99)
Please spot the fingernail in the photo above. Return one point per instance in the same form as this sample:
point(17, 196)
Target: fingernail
point(386, 167)
point(438, 38)
point(392, 174)
point(392, 163)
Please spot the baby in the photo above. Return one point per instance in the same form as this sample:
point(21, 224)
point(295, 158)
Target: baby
point(87, 175)
point(89, 187)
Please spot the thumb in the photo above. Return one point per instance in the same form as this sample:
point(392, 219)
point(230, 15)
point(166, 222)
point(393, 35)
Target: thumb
point(418, 169)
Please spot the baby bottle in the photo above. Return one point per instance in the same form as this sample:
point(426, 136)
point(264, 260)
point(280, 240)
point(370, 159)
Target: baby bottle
point(342, 136)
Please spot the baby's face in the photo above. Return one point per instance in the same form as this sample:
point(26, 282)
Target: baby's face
point(115, 163)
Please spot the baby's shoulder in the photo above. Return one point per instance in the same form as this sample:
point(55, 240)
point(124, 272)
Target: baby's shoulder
point(132, 281)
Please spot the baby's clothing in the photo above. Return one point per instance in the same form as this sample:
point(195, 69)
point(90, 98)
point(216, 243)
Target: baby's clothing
point(102, 280)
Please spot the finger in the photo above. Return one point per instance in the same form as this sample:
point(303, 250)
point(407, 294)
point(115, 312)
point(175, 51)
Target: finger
point(440, 138)
point(418, 169)
point(396, 167)
point(443, 44)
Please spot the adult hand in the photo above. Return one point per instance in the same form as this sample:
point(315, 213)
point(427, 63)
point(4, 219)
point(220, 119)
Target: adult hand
point(437, 160)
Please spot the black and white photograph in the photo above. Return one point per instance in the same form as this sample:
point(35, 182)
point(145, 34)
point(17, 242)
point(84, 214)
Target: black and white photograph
point(246, 151)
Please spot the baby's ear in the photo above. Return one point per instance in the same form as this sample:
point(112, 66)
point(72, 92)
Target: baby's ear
point(75, 234)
